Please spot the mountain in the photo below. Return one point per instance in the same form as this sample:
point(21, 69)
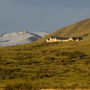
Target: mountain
point(80, 29)
point(10, 39)
point(62, 66)
point(42, 34)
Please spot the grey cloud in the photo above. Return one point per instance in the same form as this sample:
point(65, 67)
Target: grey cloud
point(48, 3)
point(16, 15)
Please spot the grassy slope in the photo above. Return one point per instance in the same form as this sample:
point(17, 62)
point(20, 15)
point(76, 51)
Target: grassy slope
point(47, 65)
point(81, 29)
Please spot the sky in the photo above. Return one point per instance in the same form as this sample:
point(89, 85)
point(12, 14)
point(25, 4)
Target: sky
point(41, 15)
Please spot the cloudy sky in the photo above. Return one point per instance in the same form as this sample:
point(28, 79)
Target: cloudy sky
point(41, 15)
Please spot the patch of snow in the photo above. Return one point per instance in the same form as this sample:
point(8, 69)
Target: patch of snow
point(11, 39)
point(42, 34)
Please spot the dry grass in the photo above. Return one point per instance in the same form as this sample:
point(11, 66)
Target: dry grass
point(80, 29)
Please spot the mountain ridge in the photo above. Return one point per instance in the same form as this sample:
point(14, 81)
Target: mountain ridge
point(18, 38)
point(79, 29)
point(46, 65)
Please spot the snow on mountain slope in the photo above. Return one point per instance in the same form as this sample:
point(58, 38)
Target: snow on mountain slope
point(11, 39)
point(42, 34)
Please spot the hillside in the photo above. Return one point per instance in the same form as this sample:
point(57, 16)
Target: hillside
point(18, 38)
point(80, 29)
point(59, 65)
point(47, 65)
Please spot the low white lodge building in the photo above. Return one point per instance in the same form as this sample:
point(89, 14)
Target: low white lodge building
point(63, 39)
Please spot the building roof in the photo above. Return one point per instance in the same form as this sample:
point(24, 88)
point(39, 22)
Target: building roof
point(75, 38)
point(62, 38)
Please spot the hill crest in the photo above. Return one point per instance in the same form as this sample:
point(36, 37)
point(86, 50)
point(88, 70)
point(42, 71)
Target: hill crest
point(79, 29)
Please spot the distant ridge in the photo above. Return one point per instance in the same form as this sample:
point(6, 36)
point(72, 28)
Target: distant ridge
point(80, 29)
point(18, 38)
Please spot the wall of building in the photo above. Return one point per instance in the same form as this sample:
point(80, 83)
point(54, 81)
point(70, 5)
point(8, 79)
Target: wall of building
point(57, 40)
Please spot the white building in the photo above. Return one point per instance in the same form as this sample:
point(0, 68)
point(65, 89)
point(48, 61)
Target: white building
point(63, 39)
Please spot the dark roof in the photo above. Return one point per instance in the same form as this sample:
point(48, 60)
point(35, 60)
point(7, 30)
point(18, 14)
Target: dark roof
point(75, 38)
point(62, 38)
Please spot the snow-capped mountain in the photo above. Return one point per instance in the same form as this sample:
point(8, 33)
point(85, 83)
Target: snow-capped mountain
point(11, 39)
point(42, 34)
